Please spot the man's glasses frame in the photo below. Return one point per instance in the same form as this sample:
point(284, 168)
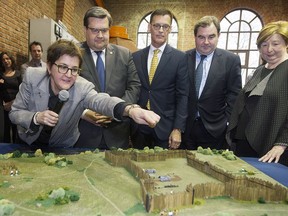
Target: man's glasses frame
point(158, 26)
point(63, 69)
point(97, 31)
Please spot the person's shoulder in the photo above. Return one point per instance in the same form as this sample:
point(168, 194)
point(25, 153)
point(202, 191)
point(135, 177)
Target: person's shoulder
point(83, 45)
point(190, 51)
point(177, 51)
point(141, 52)
point(43, 63)
point(83, 83)
point(225, 52)
point(17, 73)
point(137, 52)
point(36, 72)
point(117, 48)
point(84, 48)
point(25, 65)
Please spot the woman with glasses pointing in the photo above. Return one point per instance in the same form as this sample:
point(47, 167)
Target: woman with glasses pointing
point(34, 108)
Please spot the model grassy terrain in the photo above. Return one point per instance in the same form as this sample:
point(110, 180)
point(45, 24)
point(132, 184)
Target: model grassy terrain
point(108, 190)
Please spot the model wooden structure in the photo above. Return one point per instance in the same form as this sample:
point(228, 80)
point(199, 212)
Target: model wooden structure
point(233, 180)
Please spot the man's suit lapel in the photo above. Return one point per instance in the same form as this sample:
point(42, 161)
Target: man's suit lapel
point(213, 70)
point(251, 84)
point(191, 66)
point(91, 67)
point(110, 62)
point(145, 70)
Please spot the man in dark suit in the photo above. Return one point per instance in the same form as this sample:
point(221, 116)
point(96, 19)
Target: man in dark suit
point(166, 92)
point(120, 79)
point(210, 105)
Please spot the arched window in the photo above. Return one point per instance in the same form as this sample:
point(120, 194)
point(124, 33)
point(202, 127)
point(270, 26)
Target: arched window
point(239, 31)
point(144, 38)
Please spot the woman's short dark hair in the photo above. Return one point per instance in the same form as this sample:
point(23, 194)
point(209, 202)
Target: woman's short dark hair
point(63, 47)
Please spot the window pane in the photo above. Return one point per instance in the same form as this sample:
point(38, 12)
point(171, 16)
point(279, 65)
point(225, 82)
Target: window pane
point(148, 39)
point(242, 58)
point(143, 27)
point(172, 39)
point(256, 25)
point(234, 27)
point(254, 40)
point(244, 75)
point(254, 59)
point(245, 27)
point(174, 26)
point(244, 39)
point(247, 15)
point(141, 42)
point(233, 16)
point(224, 25)
point(222, 42)
point(232, 41)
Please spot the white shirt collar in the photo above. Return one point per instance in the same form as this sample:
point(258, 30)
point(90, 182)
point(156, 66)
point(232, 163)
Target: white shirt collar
point(198, 55)
point(152, 48)
point(93, 52)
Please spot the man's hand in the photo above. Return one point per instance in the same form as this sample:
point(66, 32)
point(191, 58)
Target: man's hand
point(97, 118)
point(142, 116)
point(175, 139)
point(273, 154)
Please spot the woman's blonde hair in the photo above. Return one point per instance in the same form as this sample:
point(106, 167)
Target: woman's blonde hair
point(279, 27)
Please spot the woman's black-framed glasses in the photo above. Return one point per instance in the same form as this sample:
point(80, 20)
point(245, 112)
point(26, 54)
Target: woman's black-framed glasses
point(63, 69)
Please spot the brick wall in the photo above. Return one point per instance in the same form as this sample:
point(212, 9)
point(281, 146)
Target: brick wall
point(15, 15)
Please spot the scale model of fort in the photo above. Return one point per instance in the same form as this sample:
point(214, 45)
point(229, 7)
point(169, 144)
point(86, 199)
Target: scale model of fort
point(249, 186)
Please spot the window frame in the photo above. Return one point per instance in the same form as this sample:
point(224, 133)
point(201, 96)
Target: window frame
point(248, 62)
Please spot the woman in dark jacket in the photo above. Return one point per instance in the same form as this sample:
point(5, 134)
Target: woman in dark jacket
point(258, 125)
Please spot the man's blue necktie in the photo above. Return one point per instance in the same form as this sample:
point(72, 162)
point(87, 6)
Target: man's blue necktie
point(100, 70)
point(199, 74)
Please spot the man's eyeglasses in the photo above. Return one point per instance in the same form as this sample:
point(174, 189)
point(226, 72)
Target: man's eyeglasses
point(63, 69)
point(157, 27)
point(97, 31)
